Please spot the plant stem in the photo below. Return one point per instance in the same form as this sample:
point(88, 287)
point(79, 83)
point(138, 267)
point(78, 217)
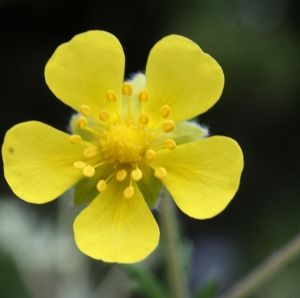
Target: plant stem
point(171, 242)
point(265, 271)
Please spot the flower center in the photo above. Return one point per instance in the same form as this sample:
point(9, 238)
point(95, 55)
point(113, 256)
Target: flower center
point(124, 143)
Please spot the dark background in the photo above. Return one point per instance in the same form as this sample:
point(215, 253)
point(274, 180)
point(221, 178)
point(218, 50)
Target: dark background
point(257, 45)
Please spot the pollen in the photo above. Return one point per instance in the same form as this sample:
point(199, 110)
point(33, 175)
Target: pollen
point(165, 111)
point(125, 143)
point(143, 119)
point(82, 123)
point(143, 96)
point(126, 89)
point(89, 171)
point(85, 110)
point(150, 155)
point(136, 174)
point(104, 115)
point(170, 144)
point(121, 175)
point(129, 192)
point(75, 139)
point(90, 152)
point(111, 96)
point(168, 125)
point(101, 185)
point(160, 173)
point(79, 164)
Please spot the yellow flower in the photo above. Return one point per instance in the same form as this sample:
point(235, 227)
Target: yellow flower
point(128, 138)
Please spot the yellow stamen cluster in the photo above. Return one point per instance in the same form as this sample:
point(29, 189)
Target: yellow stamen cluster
point(124, 144)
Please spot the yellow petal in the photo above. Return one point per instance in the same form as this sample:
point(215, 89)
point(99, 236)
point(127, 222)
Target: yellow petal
point(202, 176)
point(181, 76)
point(81, 71)
point(38, 161)
point(115, 229)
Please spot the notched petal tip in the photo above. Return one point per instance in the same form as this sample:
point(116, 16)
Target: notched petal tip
point(203, 176)
point(180, 75)
point(81, 71)
point(39, 161)
point(115, 229)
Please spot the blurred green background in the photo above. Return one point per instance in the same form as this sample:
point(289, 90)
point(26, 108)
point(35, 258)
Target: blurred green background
point(256, 43)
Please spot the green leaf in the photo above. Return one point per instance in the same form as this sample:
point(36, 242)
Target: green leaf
point(146, 283)
point(208, 290)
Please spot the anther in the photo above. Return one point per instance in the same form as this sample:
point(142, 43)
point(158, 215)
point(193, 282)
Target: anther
point(168, 125)
point(101, 185)
point(126, 89)
point(150, 155)
point(111, 96)
point(82, 123)
point(165, 111)
point(89, 171)
point(85, 110)
point(170, 144)
point(160, 173)
point(79, 165)
point(143, 119)
point(90, 152)
point(129, 192)
point(143, 96)
point(136, 174)
point(104, 115)
point(121, 175)
point(75, 139)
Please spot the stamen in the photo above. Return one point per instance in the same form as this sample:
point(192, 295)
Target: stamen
point(143, 119)
point(81, 122)
point(136, 174)
point(93, 131)
point(160, 173)
point(75, 139)
point(79, 165)
point(100, 164)
point(121, 175)
point(168, 125)
point(165, 111)
point(150, 155)
point(101, 185)
point(89, 171)
point(129, 192)
point(170, 144)
point(126, 89)
point(143, 96)
point(104, 115)
point(85, 110)
point(111, 96)
point(90, 152)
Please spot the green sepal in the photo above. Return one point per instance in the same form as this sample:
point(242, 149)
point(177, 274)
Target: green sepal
point(146, 283)
point(184, 132)
point(85, 190)
point(86, 135)
point(149, 185)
